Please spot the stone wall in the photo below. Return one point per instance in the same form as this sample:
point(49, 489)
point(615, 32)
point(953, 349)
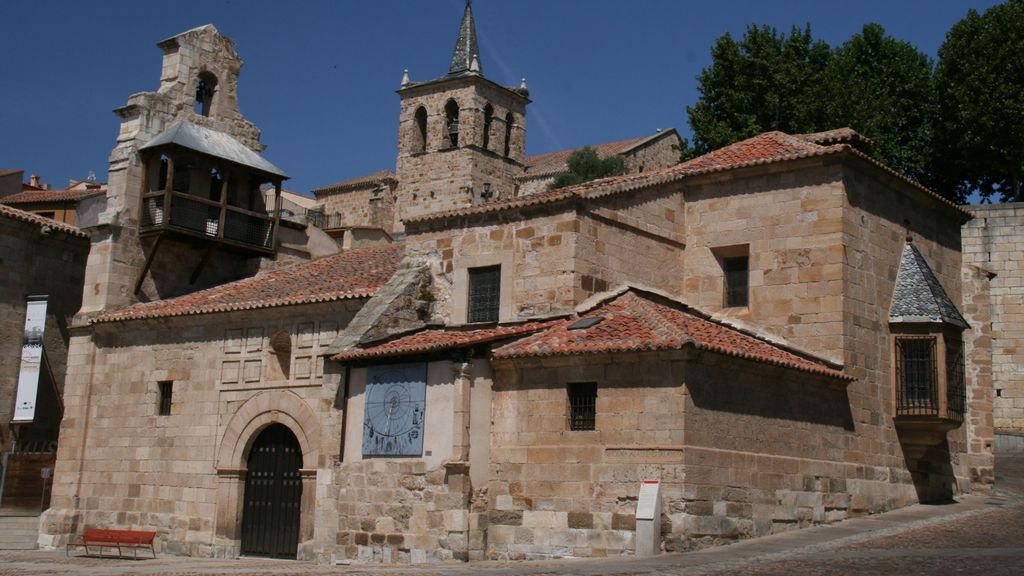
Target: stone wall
point(36, 262)
point(121, 465)
point(370, 205)
point(994, 242)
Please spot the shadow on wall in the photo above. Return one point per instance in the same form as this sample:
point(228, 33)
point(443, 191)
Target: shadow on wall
point(931, 470)
point(777, 394)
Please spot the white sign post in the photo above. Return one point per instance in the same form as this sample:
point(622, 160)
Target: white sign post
point(648, 519)
point(31, 360)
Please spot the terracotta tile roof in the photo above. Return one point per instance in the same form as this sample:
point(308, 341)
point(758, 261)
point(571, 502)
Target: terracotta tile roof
point(35, 196)
point(350, 274)
point(766, 148)
point(637, 321)
point(553, 163)
point(433, 340)
point(372, 178)
point(22, 216)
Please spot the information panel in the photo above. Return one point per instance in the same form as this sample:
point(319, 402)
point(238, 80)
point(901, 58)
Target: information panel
point(31, 360)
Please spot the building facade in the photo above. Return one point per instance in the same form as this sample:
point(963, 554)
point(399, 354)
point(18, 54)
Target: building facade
point(772, 332)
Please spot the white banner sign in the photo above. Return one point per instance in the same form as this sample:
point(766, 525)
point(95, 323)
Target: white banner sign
point(31, 359)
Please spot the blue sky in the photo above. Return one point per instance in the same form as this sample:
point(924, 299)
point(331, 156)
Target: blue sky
point(319, 77)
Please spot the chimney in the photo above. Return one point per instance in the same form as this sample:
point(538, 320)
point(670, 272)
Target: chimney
point(33, 180)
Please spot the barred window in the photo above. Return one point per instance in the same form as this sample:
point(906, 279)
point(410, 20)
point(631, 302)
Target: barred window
point(484, 293)
point(956, 380)
point(736, 281)
point(582, 405)
point(916, 376)
point(164, 407)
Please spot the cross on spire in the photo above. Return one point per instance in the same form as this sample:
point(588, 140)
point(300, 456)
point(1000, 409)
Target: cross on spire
point(466, 56)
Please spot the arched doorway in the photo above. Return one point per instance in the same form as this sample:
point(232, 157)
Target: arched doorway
point(273, 494)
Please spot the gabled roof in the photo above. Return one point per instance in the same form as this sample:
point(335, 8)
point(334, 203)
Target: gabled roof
point(766, 148)
point(552, 163)
point(213, 143)
point(377, 177)
point(640, 321)
point(35, 196)
point(350, 274)
point(438, 339)
point(41, 222)
point(918, 296)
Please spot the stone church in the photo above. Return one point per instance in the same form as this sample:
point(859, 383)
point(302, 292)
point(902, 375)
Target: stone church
point(779, 333)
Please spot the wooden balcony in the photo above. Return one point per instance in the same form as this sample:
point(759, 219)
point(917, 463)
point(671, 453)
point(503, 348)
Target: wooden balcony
point(197, 218)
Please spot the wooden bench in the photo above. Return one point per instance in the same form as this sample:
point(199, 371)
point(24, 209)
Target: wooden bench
point(120, 539)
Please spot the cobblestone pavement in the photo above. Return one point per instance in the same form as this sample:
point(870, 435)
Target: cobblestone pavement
point(978, 534)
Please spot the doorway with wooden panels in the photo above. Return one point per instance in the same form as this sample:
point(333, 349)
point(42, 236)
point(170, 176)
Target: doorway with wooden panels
point(273, 495)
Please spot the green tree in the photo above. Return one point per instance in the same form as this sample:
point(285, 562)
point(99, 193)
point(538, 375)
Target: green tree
point(882, 88)
point(585, 165)
point(980, 91)
point(766, 81)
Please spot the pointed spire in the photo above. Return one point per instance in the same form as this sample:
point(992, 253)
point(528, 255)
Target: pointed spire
point(466, 52)
point(405, 78)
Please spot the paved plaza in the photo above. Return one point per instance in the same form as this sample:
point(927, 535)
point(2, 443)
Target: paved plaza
point(976, 534)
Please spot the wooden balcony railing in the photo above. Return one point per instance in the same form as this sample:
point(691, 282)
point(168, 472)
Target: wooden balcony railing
point(199, 217)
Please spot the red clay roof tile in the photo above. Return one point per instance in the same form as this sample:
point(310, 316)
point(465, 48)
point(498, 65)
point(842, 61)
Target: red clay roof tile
point(40, 221)
point(371, 178)
point(434, 340)
point(33, 196)
point(552, 163)
point(350, 274)
point(634, 322)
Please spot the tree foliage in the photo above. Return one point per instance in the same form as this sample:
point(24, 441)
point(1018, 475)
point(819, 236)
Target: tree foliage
point(585, 165)
point(980, 89)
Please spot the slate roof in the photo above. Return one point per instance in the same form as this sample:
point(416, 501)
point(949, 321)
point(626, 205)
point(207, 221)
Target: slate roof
point(371, 178)
point(553, 163)
point(636, 321)
point(434, 340)
point(918, 296)
point(350, 274)
point(213, 143)
point(765, 148)
point(22, 216)
point(35, 196)
point(466, 49)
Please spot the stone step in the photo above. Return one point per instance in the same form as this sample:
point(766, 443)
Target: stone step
point(19, 532)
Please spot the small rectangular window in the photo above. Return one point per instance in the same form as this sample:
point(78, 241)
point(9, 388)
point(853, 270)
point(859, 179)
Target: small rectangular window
point(736, 281)
point(582, 405)
point(484, 294)
point(917, 392)
point(166, 389)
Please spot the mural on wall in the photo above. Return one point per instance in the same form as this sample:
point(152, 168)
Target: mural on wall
point(395, 400)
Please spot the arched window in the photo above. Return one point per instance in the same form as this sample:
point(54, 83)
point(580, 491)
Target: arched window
point(451, 113)
point(420, 133)
point(206, 85)
point(488, 118)
point(508, 134)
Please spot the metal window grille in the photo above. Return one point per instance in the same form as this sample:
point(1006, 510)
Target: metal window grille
point(917, 381)
point(484, 293)
point(736, 281)
point(956, 389)
point(582, 405)
point(164, 409)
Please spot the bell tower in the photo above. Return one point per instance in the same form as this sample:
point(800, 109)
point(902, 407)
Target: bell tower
point(461, 137)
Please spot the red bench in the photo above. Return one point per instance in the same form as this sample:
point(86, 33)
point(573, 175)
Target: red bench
point(120, 539)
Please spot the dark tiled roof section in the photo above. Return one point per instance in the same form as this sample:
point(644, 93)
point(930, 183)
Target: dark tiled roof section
point(435, 340)
point(633, 322)
point(36, 196)
point(766, 148)
point(22, 216)
point(379, 176)
point(918, 296)
point(553, 163)
point(350, 274)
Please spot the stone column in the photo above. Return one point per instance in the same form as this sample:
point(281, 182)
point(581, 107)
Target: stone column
point(230, 490)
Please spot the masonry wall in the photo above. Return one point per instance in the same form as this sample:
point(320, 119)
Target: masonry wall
point(536, 255)
point(122, 466)
point(371, 205)
point(638, 238)
point(994, 242)
point(36, 263)
point(660, 153)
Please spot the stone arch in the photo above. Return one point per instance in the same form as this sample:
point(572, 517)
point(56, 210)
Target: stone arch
point(419, 131)
point(260, 411)
point(451, 122)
